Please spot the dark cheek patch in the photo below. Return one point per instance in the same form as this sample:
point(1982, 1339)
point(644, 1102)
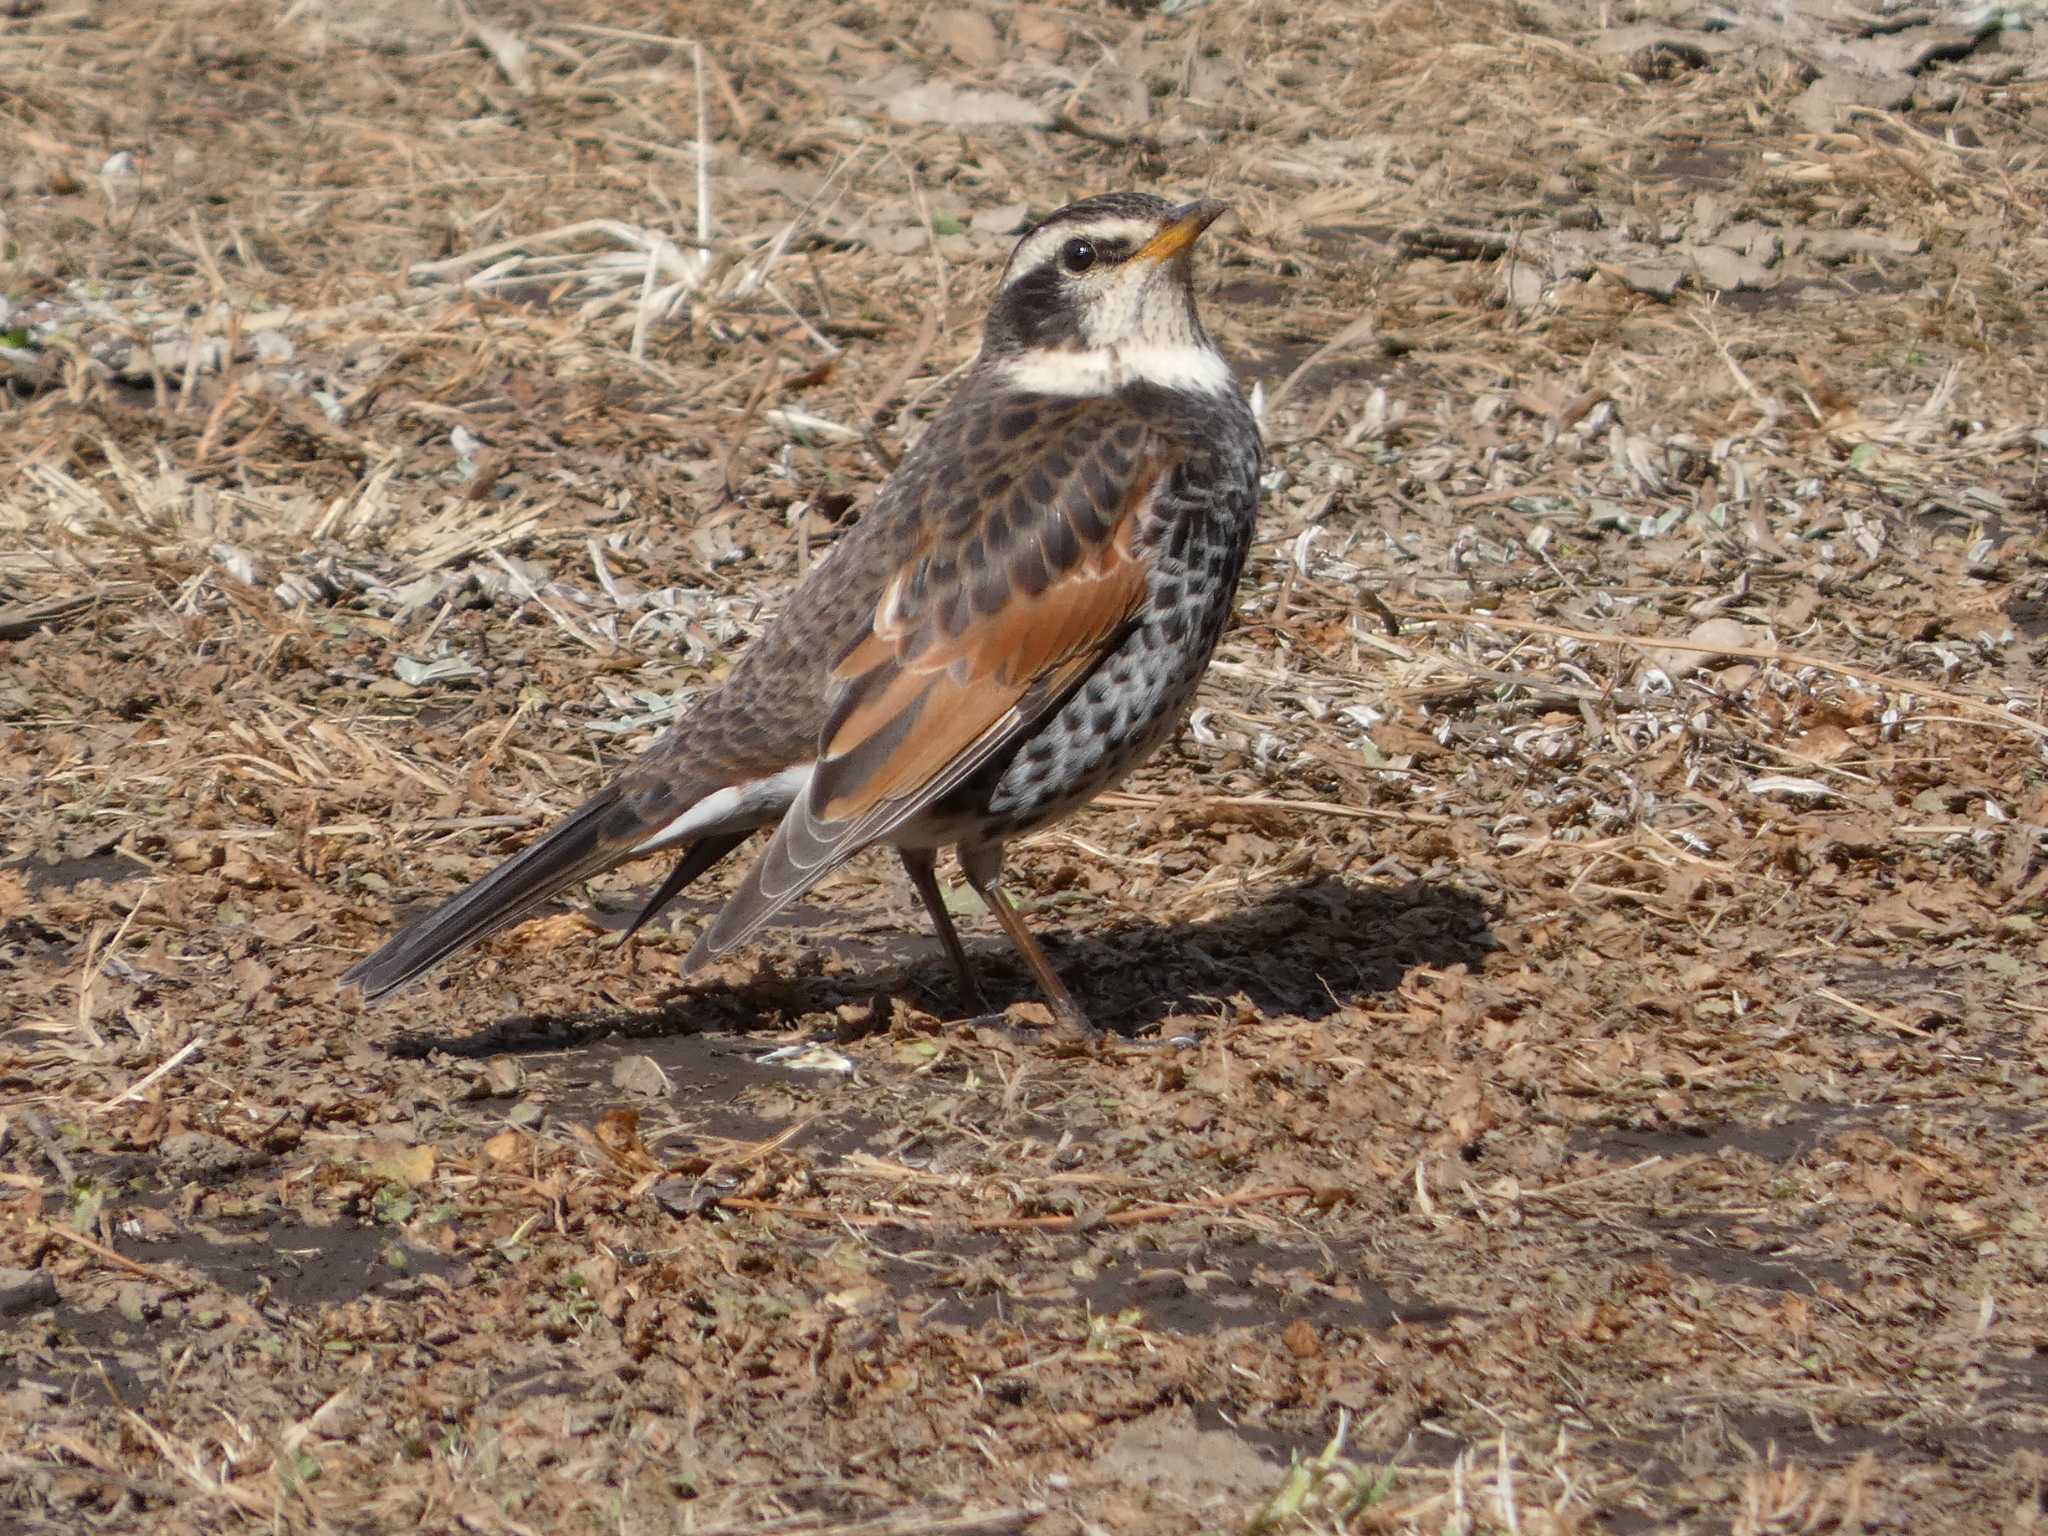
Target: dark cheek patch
point(1034, 311)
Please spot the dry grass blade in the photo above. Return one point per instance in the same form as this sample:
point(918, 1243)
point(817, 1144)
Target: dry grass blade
point(106, 1255)
point(1977, 709)
point(995, 1522)
point(1133, 1216)
point(21, 619)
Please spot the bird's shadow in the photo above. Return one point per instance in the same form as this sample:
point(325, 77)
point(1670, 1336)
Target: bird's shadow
point(1305, 951)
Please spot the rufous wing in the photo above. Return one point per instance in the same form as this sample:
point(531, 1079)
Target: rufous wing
point(1030, 571)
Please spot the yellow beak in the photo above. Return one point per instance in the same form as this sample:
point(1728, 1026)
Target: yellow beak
point(1187, 223)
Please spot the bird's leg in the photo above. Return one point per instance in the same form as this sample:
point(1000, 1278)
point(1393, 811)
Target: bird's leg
point(920, 864)
point(981, 866)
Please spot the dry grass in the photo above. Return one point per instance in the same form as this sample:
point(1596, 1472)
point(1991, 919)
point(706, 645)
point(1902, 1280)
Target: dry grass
point(1616, 993)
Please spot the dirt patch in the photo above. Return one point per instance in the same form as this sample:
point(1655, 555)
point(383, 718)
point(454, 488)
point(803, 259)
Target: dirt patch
point(1176, 1289)
point(64, 874)
point(300, 1266)
point(1785, 1132)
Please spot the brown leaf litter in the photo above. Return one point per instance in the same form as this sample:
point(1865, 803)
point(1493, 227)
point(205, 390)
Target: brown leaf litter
point(1610, 995)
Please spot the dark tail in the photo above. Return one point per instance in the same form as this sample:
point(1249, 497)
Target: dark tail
point(586, 844)
point(704, 853)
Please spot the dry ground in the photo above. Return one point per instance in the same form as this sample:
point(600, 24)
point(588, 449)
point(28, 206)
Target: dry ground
point(1613, 1082)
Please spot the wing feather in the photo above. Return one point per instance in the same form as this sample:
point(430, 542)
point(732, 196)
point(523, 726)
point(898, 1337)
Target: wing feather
point(1008, 604)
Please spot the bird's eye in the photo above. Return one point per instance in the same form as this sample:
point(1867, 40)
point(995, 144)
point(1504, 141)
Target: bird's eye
point(1077, 255)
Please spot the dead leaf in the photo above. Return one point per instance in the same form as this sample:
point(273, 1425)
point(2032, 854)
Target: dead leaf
point(967, 35)
point(1729, 271)
point(545, 933)
point(1006, 220)
point(938, 102)
point(641, 1075)
point(1825, 743)
point(1675, 663)
point(1035, 27)
point(1301, 1341)
point(410, 1166)
point(617, 1135)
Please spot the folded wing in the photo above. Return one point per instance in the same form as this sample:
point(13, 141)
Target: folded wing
point(1031, 571)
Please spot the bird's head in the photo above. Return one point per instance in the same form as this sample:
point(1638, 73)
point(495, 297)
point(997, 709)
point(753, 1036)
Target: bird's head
point(1100, 296)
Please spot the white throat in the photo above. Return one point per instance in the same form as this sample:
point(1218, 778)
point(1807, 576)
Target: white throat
point(1182, 365)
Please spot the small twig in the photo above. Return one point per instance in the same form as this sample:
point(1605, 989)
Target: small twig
point(808, 1212)
point(185, 1462)
point(703, 159)
point(1121, 800)
point(1137, 1215)
point(118, 1260)
point(643, 308)
point(533, 594)
point(95, 961)
point(757, 276)
point(1981, 708)
point(1062, 123)
point(1361, 329)
point(912, 360)
point(1554, 1190)
point(1142, 1214)
point(431, 824)
point(19, 619)
point(1457, 244)
point(1883, 1021)
point(1765, 405)
point(1378, 605)
point(163, 1069)
point(39, 1128)
point(621, 34)
point(997, 1522)
point(625, 234)
point(931, 235)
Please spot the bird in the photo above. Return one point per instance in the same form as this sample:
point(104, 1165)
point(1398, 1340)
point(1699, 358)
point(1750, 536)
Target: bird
point(1019, 619)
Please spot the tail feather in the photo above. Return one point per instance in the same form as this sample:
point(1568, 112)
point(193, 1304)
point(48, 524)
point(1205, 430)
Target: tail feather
point(704, 853)
point(641, 812)
point(633, 816)
point(575, 850)
point(772, 884)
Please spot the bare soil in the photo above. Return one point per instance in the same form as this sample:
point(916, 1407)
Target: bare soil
point(1582, 964)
